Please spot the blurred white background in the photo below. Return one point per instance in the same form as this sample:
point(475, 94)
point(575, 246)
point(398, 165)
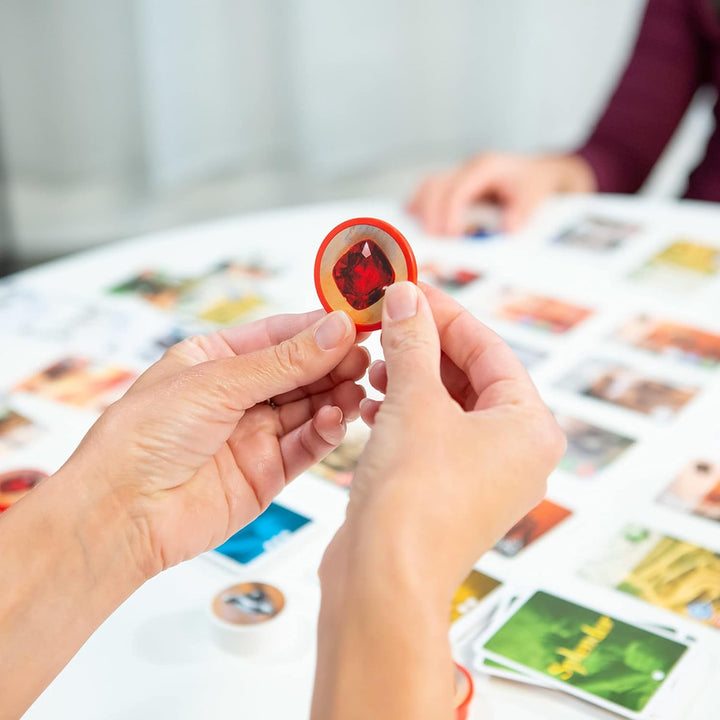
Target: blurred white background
point(123, 116)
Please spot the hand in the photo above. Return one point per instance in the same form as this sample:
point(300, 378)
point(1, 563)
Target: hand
point(460, 449)
point(518, 184)
point(193, 452)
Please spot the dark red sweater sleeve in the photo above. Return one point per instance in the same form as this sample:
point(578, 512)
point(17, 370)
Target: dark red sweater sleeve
point(658, 84)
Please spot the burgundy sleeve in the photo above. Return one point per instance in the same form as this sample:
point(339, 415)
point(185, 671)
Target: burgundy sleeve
point(659, 82)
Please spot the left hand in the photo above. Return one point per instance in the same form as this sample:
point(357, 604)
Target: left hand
point(193, 451)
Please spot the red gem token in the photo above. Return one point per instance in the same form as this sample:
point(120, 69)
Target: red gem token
point(356, 262)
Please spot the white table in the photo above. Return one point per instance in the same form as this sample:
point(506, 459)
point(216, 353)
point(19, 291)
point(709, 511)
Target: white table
point(154, 657)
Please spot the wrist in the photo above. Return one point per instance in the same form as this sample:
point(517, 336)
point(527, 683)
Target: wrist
point(99, 524)
point(364, 568)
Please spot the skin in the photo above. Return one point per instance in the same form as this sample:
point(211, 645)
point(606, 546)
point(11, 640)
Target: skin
point(460, 449)
point(519, 184)
point(189, 456)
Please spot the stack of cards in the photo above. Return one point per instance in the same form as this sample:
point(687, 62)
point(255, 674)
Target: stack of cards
point(549, 641)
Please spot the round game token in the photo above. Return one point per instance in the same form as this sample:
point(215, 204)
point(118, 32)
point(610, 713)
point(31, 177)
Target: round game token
point(463, 692)
point(355, 264)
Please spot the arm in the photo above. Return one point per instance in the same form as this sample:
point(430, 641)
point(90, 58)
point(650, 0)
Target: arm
point(190, 455)
point(460, 450)
point(657, 86)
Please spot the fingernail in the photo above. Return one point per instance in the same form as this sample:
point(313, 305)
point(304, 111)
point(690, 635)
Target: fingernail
point(365, 403)
point(332, 330)
point(401, 301)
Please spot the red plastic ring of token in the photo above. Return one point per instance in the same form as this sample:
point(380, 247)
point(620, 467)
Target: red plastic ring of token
point(394, 233)
point(461, 711)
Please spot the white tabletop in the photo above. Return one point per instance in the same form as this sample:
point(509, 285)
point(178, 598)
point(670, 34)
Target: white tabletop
point(155, 656)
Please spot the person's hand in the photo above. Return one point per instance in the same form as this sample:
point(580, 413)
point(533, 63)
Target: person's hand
point(460, 449)
point(519, 184)
point(194, 451)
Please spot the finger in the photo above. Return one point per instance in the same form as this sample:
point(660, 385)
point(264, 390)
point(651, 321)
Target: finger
point(347, 396)
point(225, 343)
point(221, 390)
point(475, 181)
point(520, 209)
point(457, 384)
point(410, 342)
point(352, 367)
point(368, 410)
point(434, 204)
point(378, 376)
point(494, 371)
point(417, 204)
point(308, 444)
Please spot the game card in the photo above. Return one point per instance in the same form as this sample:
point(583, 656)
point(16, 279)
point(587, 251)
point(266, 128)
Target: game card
point(540, 312)
point(624, 386)
point(597, 233)
point(158, 288)
point(535, 524)
point(672, 574)
point(585, 652)
point(267, 532)
point(228, 294)
point(449, 278)
point(338, 467)
point(678, 342)
point(475, 588)
point(80, 382)
point(16, 430)
point(682, 266)
point(590, 448)
point(15, 484)
point(695, 490)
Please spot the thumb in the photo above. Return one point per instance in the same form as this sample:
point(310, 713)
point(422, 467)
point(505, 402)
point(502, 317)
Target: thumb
point(410, 341)
point(238, 383)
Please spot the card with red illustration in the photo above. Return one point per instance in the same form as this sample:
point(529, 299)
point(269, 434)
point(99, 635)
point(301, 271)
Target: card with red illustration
point(79, 381)
point(673, 340)
point(534, 525)
point(540, 312)
point(695, 490)
point(627, 387)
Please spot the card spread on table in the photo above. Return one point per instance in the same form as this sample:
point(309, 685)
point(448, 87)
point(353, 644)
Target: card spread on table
point(230, 292)
point(597, 233)
point(682, 266)
point(79, 381)
point(590, 448)
point(585, 652)
point(540, 312)
point(669, 573)
point(16, 430)
point(534, 525)
point(268, 531)
point(673, 340)
point(621, 385)
point(475, 588)
point(449, 278)
point(695, 490)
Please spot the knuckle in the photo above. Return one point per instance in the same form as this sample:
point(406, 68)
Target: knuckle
point(289, 355)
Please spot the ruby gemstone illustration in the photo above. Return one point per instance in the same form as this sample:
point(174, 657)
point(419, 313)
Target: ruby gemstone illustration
point(362, 274)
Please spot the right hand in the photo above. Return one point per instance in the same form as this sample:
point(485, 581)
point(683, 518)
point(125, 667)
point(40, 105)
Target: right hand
point(460, 450)
point(519, 184)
